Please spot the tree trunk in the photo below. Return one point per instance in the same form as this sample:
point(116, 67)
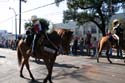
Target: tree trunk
point(102, 28)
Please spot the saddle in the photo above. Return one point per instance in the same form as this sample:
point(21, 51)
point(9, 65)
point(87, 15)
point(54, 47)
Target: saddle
point(113, 40)
point(47, 44)
point(43, 43)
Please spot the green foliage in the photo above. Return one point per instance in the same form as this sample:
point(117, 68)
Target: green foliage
point(83, 11)
point(27, 24)
point(44, 23)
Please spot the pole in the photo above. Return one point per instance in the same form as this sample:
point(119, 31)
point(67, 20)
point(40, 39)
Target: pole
point(15, 21)
point(19, 17)
point(16, 27)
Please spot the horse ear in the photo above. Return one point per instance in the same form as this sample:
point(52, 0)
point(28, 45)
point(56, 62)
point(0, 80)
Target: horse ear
point(71, 32)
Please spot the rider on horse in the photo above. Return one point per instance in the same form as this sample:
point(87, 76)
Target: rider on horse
point(116, 30)
point(37, 28)
point(34, 30)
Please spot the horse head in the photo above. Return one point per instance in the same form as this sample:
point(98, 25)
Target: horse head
point(66, 37)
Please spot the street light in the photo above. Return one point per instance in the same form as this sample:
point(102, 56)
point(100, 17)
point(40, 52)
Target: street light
point(15, 21)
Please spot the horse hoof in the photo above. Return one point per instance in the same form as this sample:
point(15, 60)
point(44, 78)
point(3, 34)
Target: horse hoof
point(110, 62)
point(50, 81)
point(33, 79)
point(21, 76)
point(45, 81)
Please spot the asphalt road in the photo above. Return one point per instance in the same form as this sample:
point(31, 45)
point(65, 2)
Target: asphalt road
point(67, 69)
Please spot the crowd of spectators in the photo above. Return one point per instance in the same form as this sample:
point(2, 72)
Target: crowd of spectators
point(87, 45)
point(8, 44)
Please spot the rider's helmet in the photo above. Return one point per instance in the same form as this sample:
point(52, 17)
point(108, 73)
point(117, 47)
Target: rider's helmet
point(115, 22)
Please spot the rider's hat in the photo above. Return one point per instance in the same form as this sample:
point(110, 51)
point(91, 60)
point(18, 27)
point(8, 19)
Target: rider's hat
point(115, 22)
point(34, 17)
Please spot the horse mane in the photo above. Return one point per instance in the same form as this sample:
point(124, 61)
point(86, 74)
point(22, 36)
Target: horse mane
point(57, 38)
point(62, 32)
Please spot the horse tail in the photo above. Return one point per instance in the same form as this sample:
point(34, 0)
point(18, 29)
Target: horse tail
point(19, 56)
point(98, 46)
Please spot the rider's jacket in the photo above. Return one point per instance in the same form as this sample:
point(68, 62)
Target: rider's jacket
point(37, 27)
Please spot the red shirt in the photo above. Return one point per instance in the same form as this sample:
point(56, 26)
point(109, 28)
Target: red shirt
point(36, 28)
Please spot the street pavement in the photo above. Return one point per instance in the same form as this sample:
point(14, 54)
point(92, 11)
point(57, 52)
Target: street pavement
point(67, 69)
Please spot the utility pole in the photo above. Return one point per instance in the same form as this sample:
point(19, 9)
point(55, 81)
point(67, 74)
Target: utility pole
point(20, 15)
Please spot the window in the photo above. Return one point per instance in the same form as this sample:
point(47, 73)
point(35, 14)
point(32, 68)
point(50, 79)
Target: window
point(93, 29)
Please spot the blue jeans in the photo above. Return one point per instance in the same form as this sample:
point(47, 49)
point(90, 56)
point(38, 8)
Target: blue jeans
point(81, 49)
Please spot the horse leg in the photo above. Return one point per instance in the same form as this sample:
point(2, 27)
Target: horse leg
point(21, 70)
point(99, 53)
point(108, 56)
point(100, 48)
point(26, 62)
point(20, 62)
point(52, 61)
point(49, 65)
point(28, 68)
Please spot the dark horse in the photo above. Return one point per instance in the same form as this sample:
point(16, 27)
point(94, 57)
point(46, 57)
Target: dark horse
point(106, 43)
point(47, 48)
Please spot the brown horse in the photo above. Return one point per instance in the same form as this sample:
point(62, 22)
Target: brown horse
point(46, 49)
point(106, 44)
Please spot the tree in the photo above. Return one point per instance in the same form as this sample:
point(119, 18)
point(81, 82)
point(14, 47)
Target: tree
point(27, 24)
point(44, 24)
point(96, 11)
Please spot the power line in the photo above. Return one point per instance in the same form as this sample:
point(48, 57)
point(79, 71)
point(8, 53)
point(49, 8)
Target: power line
point(56, 13)
point(42, 6)
point(39, 7)
point(4, 1)
point(6, 19)
point(33, 9)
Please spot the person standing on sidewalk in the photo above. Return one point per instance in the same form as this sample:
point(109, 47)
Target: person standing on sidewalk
point(94, 46)
point(81, 45)
point(75, 46)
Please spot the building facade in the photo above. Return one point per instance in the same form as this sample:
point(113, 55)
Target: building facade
point(4, 35)
point(80, 31)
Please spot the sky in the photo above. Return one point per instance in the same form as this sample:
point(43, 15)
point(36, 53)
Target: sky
point(52, 13)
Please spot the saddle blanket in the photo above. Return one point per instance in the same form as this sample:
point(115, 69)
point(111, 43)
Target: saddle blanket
point(50, 50)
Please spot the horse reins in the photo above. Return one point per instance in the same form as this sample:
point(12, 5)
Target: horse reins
point(58, 48)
